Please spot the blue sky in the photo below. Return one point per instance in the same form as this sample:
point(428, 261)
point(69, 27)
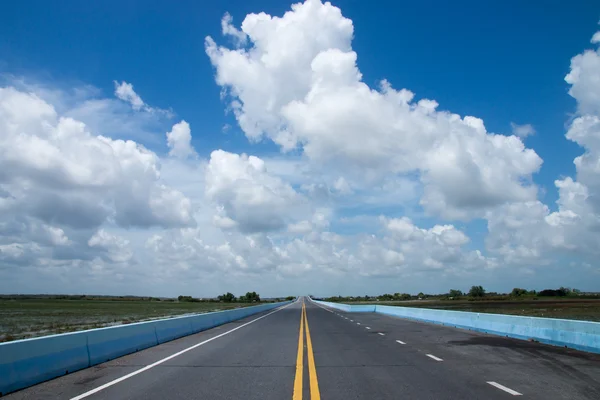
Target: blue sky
point(502, 62)
point(496, 60)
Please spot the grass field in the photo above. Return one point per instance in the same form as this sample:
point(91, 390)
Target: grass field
point(21, 319)
point(579, 309)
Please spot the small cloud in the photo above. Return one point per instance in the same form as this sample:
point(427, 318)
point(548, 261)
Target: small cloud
point(301, 227)
point(522, 131)
point(342, 186)
point(179, 141)
point(124, 91)
point(224, 222)
point(227, 28)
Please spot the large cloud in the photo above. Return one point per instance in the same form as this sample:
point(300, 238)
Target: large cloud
point(99, 212)
point(53, 168)
point(438, 250)
point(298, 84)
point(250, 197)
point(529, 232)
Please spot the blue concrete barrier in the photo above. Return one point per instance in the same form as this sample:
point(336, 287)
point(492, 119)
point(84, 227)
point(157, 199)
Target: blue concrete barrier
point(173, 328)
point(26, 362)
point(347, 307)
point(580, 335)
point(203, 322)
point(104, 344)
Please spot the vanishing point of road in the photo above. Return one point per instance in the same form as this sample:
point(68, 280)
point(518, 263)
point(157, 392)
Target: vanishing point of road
point(306, 351)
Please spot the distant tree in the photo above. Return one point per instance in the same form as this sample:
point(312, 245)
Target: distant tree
point(250, 297)
point(227, 297)
point(555, 292)
point(517, 292)
point(421, 295)
point(290, 298)
point(565, 291)
point(477, 291)
point(455, 293)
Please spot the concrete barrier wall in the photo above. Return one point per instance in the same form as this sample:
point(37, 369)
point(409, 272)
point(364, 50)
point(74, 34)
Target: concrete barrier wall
point(107, 343)
point(580, 335)
point(347, 307)
point(26, 362)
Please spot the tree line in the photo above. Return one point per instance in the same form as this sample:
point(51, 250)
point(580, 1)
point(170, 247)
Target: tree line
point(249, 297)
point(476, 292)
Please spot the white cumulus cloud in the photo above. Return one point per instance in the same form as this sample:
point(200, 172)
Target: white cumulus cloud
point(248, 194)
point(179, 140)
point(125, 92)
point(299, 85)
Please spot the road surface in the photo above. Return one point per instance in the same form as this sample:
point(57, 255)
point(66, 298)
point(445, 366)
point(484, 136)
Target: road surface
point(305, 351)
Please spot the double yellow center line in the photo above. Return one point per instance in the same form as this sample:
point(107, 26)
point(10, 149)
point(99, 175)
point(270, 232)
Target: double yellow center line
point(312, 370)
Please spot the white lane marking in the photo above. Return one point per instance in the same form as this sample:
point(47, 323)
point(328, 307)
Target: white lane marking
point(434, 357)
point(358, 323)
point(320, 306)
point(368, 327)
point(507, 390)
point(351, 320)
point(326, 309)
point(400, 341)
point(139, 371)
point(382, 334)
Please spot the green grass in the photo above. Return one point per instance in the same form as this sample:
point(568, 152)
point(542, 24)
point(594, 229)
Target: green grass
point(579, 309)
point(21, 319)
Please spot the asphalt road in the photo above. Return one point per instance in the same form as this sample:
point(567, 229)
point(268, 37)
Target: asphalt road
point(343, 356)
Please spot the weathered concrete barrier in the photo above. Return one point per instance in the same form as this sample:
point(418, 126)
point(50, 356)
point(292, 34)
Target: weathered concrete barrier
point(580, 335)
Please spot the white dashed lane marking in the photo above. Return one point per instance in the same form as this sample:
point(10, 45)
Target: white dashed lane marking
point(507, 390)
point(434, 357)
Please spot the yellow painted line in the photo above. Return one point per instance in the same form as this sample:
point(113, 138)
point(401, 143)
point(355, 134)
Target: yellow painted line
point(312, 370)
point(299, 360)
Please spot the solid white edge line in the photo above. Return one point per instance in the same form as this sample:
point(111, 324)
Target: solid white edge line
point(382, 334)
point(434, 357)
point(507, 390)
point(147, 367)
point(400, 341)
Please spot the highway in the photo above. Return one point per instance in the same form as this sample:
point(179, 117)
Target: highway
point(306, 351)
